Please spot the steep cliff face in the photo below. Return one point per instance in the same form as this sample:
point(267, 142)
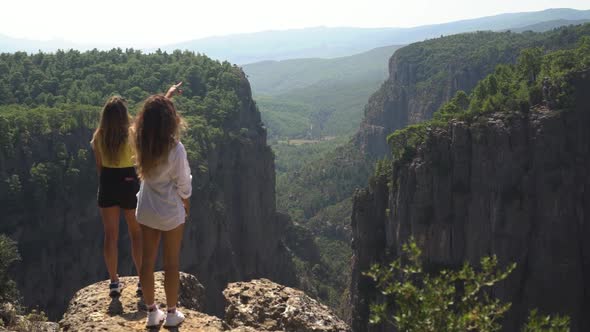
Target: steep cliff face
point(400, 101)
point(234, 232)
point(425, 75)
point(237, 233)
point(511, 184)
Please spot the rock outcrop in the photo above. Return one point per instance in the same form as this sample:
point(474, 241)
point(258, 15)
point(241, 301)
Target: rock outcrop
point(266, 306)
point(512, 184)
point(259, 305)
point(92, 309)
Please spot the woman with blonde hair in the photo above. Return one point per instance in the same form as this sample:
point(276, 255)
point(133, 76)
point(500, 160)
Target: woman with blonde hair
point(163, 199)
point(118, 186)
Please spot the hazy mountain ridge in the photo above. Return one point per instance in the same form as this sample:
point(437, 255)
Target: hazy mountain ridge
point(326, 42)
point(322, 42)
point(548, 25)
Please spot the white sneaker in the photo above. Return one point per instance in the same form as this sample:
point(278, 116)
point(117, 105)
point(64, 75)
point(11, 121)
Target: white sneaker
point(174, 319)
point(115, 289)
point(155, 317)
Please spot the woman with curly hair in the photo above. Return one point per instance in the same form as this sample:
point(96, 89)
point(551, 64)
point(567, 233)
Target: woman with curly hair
point(163, 199)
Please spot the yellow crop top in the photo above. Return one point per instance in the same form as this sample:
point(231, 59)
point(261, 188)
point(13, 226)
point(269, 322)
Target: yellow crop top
point(125, 155)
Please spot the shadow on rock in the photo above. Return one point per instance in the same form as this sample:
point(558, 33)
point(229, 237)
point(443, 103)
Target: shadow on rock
point(115, 307)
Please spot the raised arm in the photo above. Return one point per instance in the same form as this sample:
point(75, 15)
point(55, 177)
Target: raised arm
point(174, 90)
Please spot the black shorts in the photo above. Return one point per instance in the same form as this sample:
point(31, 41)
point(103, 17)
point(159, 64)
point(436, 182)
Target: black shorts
point(118, 187)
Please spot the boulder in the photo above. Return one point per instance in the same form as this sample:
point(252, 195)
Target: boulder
point(263, 305)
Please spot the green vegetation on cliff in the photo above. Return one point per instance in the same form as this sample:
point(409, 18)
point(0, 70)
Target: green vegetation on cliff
point(452, 301)
point(427, 74)
point(537, 79)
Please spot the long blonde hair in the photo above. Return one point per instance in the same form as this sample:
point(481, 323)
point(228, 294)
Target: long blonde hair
point(157, 129)
point(113, 129)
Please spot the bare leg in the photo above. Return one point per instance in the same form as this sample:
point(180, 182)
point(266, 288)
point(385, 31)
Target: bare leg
point(151, 241)
point(110, 220)
point(171, 242)
point(135, 235)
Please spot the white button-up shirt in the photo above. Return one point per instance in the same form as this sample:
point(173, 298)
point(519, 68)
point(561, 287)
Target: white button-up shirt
point(159, 203)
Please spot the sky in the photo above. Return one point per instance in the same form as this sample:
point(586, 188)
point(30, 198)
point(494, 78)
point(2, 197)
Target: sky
point(147, 23)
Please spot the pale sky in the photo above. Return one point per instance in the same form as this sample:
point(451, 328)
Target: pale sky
point(146, 23)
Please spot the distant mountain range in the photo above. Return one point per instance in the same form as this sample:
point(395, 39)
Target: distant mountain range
point(548, 25)
point(323, 42)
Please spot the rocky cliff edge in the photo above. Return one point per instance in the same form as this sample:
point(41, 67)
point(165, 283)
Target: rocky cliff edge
point(258, 305)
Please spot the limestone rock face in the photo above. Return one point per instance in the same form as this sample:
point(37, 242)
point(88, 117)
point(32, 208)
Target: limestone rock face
point(262, 305)
point(425, 75)
point(512, 184)
point(406, 98)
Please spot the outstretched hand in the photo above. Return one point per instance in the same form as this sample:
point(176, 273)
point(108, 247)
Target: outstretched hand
point(174, 90)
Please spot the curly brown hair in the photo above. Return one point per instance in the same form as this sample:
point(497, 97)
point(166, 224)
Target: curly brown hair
point(157, 129)
point(113, 130)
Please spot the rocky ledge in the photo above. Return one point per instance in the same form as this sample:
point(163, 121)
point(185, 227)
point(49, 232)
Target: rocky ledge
point(267, 306)
point(258, 305)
